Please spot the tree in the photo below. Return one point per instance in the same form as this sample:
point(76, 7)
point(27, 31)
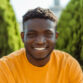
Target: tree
point(70, 27)
point(9, 32)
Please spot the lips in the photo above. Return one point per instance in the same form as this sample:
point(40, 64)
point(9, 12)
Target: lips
point(39, 49)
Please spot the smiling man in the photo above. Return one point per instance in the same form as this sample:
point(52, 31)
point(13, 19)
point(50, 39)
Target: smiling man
point(38, 62)
point(39, 40)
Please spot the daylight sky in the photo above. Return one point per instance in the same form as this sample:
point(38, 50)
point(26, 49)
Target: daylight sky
point(22, 6)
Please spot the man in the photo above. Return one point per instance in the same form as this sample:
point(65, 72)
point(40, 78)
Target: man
point(39, 62)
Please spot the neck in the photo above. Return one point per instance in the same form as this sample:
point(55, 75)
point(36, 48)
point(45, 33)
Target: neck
point(38, 63)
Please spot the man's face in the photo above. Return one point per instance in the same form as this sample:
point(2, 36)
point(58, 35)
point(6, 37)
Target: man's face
point(39, 37)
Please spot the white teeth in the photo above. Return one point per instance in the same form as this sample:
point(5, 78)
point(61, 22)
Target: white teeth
point(39, 48)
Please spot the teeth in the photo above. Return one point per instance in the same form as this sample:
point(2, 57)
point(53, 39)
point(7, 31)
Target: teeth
point(39, 48)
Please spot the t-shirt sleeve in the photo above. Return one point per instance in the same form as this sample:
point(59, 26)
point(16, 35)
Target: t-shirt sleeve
point(5, 74)
point(2, 77)
point(75, 73)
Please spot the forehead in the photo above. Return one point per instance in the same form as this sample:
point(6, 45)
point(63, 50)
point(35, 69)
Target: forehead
point(41, 24)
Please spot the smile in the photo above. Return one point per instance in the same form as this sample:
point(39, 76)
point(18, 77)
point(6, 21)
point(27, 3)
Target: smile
point(39, 48)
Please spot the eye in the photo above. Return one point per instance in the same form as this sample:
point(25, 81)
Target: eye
point(31, 35)
point(48, 34)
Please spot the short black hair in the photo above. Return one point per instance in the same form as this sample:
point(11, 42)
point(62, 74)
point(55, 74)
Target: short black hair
point(40, 13)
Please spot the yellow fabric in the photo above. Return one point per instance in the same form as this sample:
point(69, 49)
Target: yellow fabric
point(62, 68)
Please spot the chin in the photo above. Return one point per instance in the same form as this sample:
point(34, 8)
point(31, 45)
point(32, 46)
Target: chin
point(39, 55)
point(40, 58)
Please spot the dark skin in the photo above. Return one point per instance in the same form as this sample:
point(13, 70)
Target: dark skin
point(39, 40)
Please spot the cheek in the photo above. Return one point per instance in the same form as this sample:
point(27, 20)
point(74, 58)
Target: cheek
point(51, 41)
point(28, 41)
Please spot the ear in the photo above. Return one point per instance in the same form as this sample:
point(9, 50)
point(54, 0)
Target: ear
point(57, 33)
point(22, 36)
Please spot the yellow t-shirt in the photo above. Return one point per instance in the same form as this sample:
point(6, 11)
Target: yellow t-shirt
point(61, 68)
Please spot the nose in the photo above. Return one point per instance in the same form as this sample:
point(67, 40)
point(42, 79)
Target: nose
point(40, 40)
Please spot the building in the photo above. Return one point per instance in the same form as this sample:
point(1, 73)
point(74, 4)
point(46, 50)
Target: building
point(57, 8)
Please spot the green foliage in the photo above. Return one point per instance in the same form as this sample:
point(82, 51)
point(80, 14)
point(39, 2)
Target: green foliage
point(9, 32)
point(70, 27)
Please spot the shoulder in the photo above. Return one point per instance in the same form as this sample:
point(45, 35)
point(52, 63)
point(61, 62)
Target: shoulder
point(11, 58)
point(17, 53)
point(64, 55)
point(68, 63)
point(66, 59)
point(12, 55)
point(9, 63)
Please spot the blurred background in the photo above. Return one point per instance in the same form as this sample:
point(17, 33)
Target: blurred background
point(70, 24)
